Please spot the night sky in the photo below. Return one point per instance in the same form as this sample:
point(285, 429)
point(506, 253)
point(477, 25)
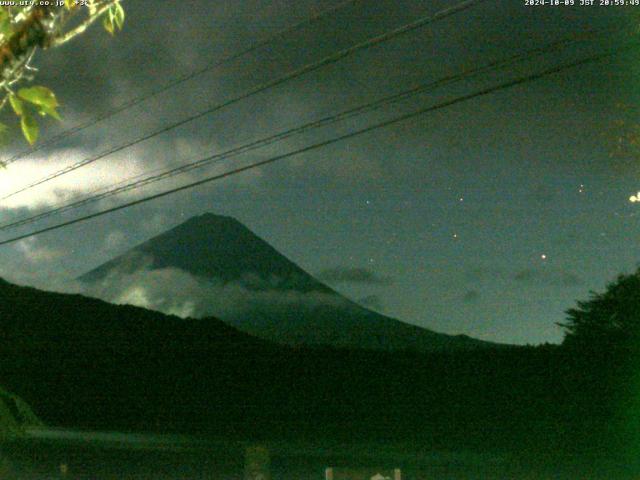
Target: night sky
point(489, 218)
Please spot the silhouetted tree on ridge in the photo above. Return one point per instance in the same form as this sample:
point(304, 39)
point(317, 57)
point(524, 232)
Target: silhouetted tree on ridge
point(607, 320)
point(601, 366)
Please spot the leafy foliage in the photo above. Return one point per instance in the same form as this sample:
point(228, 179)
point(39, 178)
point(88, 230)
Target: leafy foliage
point(114, 19)
point(23, 29)
point(29, 127)
point(609, 319)
point(32, 100)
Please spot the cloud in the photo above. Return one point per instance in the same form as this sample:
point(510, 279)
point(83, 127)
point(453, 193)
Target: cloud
point(35, 263)
point(544, 275)
point(471, 296)
point(157, 222)
point(176, 292)
point(372, 301)
point(100, 176)
point(35, 253)
point(481, 274)
point(114, 241)
point(353, 275)
point(64, 188)
point(127, 65)
point(547, 276)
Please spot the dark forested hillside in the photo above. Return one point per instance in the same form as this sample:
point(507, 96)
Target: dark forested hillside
point(81, 362)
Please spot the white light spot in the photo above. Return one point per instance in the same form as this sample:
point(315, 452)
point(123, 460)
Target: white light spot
point(543, 256)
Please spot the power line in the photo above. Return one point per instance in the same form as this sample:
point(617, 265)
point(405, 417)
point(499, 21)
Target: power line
point(316, 146)
point(122, 187)
point(333, 58)
point(132, 102)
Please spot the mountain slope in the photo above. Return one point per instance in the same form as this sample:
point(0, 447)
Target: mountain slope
point(82, 362)
point(250, 285)
point(85, 364)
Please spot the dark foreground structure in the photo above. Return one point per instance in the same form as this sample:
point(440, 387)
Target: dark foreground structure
point(63, 454)
point(84, 365)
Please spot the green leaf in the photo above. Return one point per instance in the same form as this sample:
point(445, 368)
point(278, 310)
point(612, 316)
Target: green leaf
point(119, 15)
point(40, 96)
point(16, 104)
point(29, 127)
point(107, 22)
point(114, 18)
point(52, 112)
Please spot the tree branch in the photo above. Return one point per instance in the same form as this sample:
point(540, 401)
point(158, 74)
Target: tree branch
point(80, 29)
point(31, 34)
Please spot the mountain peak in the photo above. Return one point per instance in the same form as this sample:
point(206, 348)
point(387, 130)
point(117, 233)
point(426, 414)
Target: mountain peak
point(209, 220)
point(209, 217)
point(209, 246)
point(255, 288)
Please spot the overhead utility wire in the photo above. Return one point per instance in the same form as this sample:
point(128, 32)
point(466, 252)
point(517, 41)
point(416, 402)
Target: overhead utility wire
point(316, 146)
point(132, 102)
point(333, 58)
point(122, 187)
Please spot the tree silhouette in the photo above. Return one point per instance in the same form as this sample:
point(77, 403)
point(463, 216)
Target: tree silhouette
point(607, 320)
